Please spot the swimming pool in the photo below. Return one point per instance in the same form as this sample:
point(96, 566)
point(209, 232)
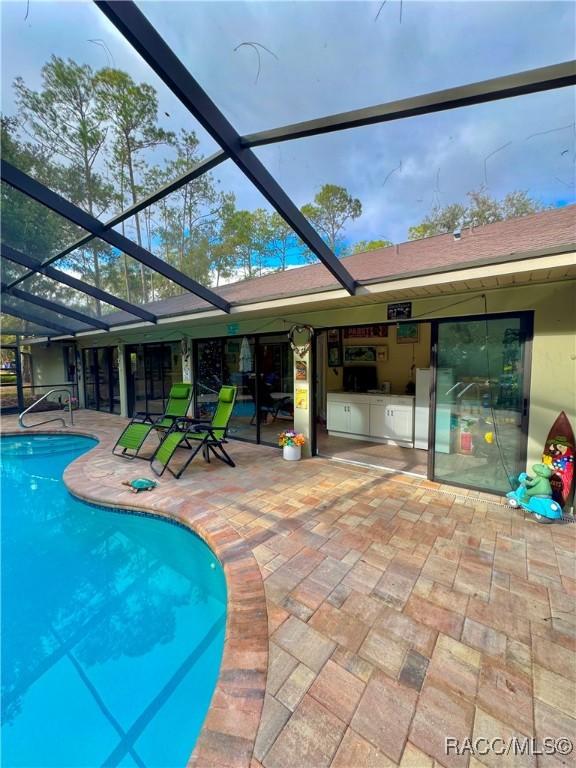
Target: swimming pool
point(112, 624)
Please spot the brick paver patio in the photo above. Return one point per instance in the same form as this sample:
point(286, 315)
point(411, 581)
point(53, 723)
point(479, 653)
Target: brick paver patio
point(398, 613)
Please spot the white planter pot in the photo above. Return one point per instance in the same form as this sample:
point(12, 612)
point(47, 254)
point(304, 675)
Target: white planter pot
point(292, 452)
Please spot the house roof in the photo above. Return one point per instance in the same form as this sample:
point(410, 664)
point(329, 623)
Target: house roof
point(498, 241)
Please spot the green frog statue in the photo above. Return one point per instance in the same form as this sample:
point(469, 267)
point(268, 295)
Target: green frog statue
point(534, 494)
point(539, 485)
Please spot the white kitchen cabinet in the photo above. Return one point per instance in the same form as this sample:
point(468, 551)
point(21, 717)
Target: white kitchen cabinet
point(378, 419)
point(384, 418)
point(337, 417)
point(349, 417)
point(400, 422)
point(359, 414)
point(393, 421)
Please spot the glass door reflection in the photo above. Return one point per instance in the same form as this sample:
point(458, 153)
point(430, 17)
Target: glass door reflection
point(480, 414)
point(275, 387)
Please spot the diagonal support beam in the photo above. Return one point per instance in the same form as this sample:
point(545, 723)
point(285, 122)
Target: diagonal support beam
point(37, 191)
point(134, 26)
point(205, 165)
point(519, 84)
point(32, 318)
point(62, 309)
point(194, 173)
point(79, 285)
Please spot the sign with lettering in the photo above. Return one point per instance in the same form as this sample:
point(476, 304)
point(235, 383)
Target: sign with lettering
point(301, 370)
point(400, 311)
point(366, 331)
point(301, 398)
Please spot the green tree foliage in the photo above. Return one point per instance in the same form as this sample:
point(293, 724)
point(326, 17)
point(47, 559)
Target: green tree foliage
point(65, 120)
point(362, 246)
point(26, 225)
point(332, 208)
point(95, 137)
point(132, 109)
point(481, 209)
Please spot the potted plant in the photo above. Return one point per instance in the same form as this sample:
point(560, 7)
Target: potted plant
point(291, 443)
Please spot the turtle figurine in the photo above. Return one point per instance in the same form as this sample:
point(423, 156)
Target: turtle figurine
point(140, 484)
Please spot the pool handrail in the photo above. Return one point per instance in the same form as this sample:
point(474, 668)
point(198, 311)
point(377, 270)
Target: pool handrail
point(58, 418)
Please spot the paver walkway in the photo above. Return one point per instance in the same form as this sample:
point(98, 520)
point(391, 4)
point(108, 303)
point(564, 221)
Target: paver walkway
point(398, 615)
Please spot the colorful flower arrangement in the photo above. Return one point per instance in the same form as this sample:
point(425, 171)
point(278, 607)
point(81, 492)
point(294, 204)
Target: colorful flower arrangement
point(291, 438)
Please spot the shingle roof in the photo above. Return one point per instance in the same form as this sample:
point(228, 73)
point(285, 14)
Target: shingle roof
point(556, 227)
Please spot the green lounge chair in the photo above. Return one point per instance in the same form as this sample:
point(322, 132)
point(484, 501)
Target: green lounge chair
point(208, 437)
point(131, 440)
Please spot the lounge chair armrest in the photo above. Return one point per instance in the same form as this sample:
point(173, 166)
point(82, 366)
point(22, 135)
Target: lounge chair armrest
point(141, 418)
point(158, 419)
point(184, 424)
point(201, 426)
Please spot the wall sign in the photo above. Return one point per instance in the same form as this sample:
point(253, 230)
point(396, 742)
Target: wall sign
point(301, 370)
point(232, 329)
point(301, 398)
point(400, 311)
point(364, 331)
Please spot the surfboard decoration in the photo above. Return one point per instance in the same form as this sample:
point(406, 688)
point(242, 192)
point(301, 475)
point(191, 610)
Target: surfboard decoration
point(559, 455)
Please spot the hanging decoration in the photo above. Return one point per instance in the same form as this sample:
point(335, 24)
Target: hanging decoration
point(185, 350)
point(246, 363)
point(301, 329)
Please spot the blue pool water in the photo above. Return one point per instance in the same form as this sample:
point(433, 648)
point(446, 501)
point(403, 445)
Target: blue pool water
point(112, 624)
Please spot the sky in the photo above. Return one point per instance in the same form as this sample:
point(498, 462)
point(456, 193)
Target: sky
point(272, 63)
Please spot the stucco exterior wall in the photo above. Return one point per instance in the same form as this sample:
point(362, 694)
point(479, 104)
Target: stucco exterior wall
point(553, 368)
point(47, 365)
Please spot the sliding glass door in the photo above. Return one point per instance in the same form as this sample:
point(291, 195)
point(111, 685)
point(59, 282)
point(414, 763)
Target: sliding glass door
point(101, 379)
point(262, 369)
point(275, 387)
point(228, 361)
point(481, 401)
point(152, 369)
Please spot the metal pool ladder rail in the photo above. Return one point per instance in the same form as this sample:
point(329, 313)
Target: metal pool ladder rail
point(58, 418)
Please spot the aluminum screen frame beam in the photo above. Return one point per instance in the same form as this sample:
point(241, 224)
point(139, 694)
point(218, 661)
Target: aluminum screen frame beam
point(54, 306)
point(79, 285)
point(46, 197)
point(37, 332)
point(32, 318)
point(495, 89)
point(138, 31)
point(208, 164)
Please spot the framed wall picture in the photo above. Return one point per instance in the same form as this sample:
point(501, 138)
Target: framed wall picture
point(382, 353)
point(301, 370)
point(400, 311)
point(359, 354)
point(334, 347)
point(407, 333)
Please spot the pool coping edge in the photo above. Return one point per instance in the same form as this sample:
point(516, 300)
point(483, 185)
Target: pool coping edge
point(229, 731)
